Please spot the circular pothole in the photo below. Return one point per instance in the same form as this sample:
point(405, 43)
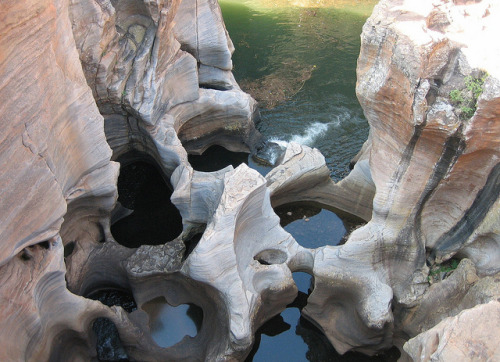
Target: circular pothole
point(313, 226)
point(271, 256)
point(155, 220)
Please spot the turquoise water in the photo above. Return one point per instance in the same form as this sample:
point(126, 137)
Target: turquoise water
point(281, 42)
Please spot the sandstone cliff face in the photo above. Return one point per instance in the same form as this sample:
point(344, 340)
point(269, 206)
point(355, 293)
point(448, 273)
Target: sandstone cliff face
point(65, 65)
point(155, 78)
point(55, 165)
point(432, 178)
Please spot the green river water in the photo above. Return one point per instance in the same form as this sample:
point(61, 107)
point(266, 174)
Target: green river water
point(277, 41)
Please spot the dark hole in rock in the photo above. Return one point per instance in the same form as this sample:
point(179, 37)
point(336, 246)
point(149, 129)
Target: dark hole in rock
point(102, 234)
point(169, 324)
point(44, 244)
point(69, 248)
point(25, 255)
point(215, 158)
point(271, 256)
point(113, 296)
point(313, 226)
point(214, 86)
point(155, 219)
point(109, 346)
point(191, 244)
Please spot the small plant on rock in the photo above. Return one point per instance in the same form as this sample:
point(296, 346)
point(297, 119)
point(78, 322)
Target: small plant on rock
point(465, 100)
point(441, 271)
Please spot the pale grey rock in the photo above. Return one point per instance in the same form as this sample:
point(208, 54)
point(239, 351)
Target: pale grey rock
point(302, 175)
point(197, 194)
point(141, 60)
point(200, 29)
point(227, 258)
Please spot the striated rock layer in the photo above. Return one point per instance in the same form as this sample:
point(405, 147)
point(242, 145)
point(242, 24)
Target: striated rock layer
point(86, 82)
point(434, 169)
point(73, 75)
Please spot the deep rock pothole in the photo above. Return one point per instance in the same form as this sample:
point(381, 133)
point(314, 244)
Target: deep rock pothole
point(155, 220)
point(215, 158)
point(289, 336)
point(271, 256)
point(108, 344)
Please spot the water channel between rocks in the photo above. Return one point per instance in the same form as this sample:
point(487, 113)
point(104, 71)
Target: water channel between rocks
point(307, 56)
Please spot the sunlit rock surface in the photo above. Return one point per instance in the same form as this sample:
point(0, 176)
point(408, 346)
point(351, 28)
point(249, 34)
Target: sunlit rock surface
point(302, 175)
point(65, 65)
point(161, 72)
point(83, 83)
point(55, 165)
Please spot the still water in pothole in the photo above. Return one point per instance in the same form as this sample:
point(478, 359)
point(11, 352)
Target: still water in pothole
point(292, 338)
point(169, 324)
point(313, 226)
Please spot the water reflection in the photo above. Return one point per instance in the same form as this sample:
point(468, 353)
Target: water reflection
point(169, 325)
point(291, 337)
point(312, 226)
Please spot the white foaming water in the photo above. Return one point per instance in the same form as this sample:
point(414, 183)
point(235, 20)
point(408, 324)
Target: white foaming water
point(311, 134)
point(309, 137)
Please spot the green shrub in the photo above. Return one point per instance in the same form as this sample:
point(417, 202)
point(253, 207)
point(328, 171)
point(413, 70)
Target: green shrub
point(456, 96)
point(465, 99)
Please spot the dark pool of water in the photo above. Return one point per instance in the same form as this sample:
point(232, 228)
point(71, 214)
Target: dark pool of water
point(325, 112)
point(154, 220)
point(292, 338)
point(313, 226)
point(169, 325)
point(215, 158)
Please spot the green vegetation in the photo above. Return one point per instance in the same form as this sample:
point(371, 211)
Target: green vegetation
point(446, 267)
point(465, 100)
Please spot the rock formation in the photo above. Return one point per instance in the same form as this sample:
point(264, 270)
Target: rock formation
point(435, 178)
point(454, 338)
point(85, 83)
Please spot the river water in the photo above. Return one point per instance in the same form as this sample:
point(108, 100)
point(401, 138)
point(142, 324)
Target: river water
point(309, 51)
point(298, 59)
